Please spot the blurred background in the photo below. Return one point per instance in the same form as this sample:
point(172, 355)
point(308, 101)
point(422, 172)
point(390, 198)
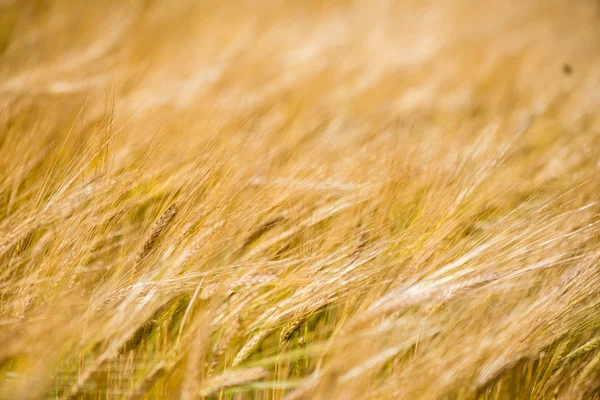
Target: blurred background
point(323, 199)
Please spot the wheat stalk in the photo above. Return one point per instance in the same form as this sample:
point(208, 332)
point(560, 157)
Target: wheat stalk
point(146, 384)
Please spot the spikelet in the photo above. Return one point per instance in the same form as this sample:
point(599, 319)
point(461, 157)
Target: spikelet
point(288, 332)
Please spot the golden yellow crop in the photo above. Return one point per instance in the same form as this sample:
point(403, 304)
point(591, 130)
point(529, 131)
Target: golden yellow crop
point(299, 199)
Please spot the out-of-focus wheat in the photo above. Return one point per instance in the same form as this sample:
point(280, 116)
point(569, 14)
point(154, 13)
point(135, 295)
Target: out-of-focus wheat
point(313, 199)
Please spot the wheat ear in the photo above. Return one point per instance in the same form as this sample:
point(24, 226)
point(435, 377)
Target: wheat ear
point(250, 346)
point(221, 346)
point(233, 378)
point(157, 229)
point(579, 352)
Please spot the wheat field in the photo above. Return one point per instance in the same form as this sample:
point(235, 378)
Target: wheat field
point(299, 199)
